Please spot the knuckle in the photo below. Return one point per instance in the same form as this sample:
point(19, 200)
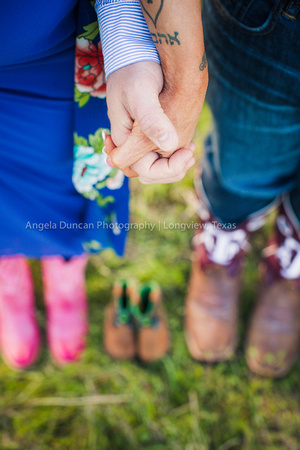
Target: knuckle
point(117, 162)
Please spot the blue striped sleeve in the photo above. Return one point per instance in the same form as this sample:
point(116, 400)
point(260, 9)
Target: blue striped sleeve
point(124, 33)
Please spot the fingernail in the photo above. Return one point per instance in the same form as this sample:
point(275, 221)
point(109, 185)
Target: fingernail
point(104, 150)
point(109, 162)
point(103, 135)
point(167, 141)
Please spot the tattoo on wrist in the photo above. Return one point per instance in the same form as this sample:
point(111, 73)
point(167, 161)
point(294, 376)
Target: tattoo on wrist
point(152, 8)
point(203, 64)
point(161, 38)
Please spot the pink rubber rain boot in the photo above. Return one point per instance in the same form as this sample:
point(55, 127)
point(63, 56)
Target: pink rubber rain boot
point(19, 333)
point(66, 303)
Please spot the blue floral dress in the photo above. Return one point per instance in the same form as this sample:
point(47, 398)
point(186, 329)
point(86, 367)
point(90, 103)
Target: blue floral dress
point(57, 194)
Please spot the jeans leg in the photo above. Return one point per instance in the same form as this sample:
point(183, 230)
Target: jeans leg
point(226, 205)
point(253, 151)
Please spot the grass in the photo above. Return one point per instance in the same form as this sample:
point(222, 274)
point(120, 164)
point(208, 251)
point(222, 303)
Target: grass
point(175, 403)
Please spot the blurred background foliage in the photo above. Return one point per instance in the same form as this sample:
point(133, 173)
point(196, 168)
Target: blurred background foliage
point(176, 403)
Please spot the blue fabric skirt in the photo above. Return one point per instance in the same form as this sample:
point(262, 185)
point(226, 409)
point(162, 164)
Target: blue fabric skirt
point(41, 211)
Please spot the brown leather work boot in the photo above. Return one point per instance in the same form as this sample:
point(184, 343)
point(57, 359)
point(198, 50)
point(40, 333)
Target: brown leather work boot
point(119, 335)
point(274, 333)
point(153, 339)
point(212, 301)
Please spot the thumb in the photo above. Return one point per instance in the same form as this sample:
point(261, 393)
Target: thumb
point(155, 124)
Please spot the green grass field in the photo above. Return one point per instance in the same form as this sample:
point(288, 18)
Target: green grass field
point(175, 403)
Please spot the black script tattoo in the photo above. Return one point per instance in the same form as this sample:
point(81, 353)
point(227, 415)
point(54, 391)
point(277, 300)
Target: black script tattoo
point(161, 38)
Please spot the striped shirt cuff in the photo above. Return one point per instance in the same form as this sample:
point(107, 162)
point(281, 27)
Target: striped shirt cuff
point(125, 37)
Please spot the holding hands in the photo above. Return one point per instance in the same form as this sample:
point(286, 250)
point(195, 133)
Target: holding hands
point(141, 129)
point(154, 109)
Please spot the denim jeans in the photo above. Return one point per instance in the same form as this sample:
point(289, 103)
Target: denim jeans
point(252, 155)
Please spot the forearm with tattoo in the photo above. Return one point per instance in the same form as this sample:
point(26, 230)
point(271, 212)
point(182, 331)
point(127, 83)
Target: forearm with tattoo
point(176, 29)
